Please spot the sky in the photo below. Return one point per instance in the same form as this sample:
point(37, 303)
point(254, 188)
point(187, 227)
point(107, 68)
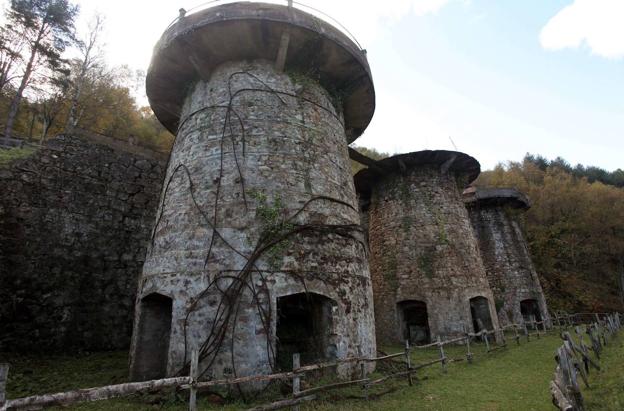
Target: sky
point(492, 78)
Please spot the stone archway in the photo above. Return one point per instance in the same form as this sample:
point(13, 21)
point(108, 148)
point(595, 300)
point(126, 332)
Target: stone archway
point(304, 326)
point(154, 330)
point(414, 321)
point(530, 311)
point(480, 313)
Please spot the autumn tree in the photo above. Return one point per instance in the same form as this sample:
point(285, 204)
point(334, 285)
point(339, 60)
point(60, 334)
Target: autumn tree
point(47, 27)
point(88, 69)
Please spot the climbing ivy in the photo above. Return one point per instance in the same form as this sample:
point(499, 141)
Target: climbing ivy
point(273, 225)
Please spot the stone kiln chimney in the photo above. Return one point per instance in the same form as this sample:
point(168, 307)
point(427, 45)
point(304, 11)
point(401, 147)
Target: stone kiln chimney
point(257, 252)
point(428, 277)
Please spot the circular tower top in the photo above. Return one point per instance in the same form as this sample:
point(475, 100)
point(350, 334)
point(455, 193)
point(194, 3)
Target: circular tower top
point(191, 48)
point(460, 164)
point(492, 196)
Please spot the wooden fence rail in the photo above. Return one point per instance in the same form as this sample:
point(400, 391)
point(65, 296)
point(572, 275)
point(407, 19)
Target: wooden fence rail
point(595, 332)
point(574, 361)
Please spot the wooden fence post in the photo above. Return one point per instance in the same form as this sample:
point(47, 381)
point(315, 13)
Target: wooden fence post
point(408, 362)
point(296, 379)
point(487, 341)
point(536, 326)
point(4, 375)
point(517, 335)
point(193, 380)
point(442, 356)
point(468, 353)
point(364, 386)
point(526, 331)
point(502, 336)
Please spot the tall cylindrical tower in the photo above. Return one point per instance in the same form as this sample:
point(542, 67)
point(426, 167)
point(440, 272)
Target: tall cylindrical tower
point(428, 277)
point(257, 251)
point(494, 213)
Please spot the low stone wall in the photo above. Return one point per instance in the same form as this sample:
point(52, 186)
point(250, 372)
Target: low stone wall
point(75, 220)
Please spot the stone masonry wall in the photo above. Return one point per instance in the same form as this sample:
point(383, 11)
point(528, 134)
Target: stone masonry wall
point(507, 261)
point(257, 149)
point(75, 218)
point(423, 248)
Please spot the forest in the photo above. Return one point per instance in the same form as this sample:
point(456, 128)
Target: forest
point(55, 80)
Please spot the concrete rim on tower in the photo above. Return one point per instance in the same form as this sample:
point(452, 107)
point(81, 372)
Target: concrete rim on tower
point(460, 164)
point(191, 48)
point(494, 196)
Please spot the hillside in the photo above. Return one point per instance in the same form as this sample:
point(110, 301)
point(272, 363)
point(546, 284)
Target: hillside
point(575, 229)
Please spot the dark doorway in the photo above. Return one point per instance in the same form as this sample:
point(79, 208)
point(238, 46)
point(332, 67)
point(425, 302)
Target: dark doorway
point(480, 312)
point(152, 345)
point(414, 321)
point(304, 325)
point(530, 310)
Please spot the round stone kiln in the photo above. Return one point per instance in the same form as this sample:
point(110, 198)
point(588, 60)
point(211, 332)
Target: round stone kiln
point(428, 277)
point(494, 213)
point(257, 250)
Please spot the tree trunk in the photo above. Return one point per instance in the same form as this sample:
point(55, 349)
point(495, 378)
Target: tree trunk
point(8, 130)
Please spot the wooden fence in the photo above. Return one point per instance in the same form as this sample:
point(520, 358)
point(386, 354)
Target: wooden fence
point(574, 360)
point(493, 340)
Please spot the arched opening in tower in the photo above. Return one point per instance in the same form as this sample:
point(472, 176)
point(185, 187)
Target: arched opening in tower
point(414, 321)
point(530, 311)
point(154, 330)
point(304, 326)
point(480, 312)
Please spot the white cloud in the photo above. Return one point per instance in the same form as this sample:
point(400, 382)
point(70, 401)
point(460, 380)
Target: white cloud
point(597, 24)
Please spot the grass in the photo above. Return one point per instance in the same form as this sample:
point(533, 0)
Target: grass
point(515, 378)
point(606, 390)
point(7, 156)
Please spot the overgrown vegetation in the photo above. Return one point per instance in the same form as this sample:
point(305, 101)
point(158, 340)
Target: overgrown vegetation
point(575, 230)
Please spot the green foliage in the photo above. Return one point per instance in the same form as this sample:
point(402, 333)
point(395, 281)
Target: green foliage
point(47, 29)
point(592, 173)
point(273, 225)
point(575, 230)
point(7, 156)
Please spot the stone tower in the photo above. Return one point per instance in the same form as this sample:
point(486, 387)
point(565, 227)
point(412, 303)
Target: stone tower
point(257, 251)
point(494, 214)
point(428, 277)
